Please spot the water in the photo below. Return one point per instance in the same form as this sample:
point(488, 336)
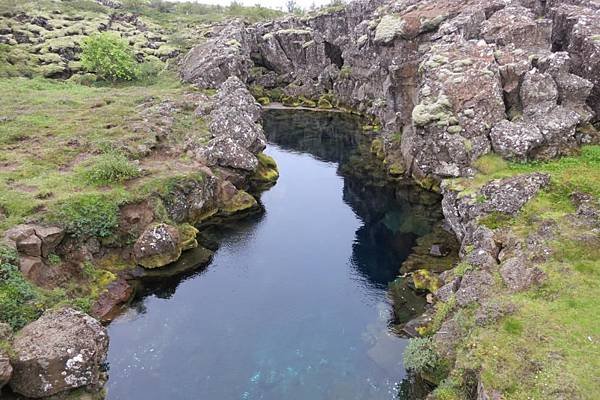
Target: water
point(294, 304)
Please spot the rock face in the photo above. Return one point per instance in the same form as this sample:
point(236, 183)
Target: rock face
point(455, 78)
point(226, 54)
point(157, 246)
point(62, 350)
point(34, 243)
point(237, 135)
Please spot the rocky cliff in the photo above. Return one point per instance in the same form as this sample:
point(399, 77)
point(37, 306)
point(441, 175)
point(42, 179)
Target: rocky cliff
point(455, 79)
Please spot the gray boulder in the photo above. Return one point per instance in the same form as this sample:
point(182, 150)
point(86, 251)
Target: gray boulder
point(517, 276)
point(515, 140)
point(159, 245)
point(64, 349)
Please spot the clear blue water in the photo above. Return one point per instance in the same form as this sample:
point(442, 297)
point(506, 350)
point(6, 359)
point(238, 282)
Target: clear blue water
point(294, 304)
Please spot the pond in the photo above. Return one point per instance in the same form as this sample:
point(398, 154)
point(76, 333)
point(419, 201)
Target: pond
point(295, 303)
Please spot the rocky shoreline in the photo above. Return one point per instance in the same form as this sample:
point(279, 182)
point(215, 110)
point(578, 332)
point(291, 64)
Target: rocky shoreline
point(154, 233)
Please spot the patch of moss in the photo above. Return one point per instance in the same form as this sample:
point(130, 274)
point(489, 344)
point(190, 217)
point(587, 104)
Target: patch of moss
point(240, 202)
point(424, 279)
point(438, 111)
point(266, 173)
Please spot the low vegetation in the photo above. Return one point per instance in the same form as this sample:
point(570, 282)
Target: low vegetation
point(548, 348)
point(109, 57)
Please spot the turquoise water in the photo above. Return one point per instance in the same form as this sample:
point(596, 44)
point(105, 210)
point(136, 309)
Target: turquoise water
point(294, 304)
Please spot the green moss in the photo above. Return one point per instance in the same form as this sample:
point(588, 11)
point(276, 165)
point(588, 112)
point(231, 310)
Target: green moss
point(266, 173)
point(240, 202)
point(324, 103)
point(305, 102)
point(496, 220)
point(426, 280)
point(188, 236)
point(345, 72)
point(438, 111)
point(265, 101)
point(490, 163)
point(390, 27)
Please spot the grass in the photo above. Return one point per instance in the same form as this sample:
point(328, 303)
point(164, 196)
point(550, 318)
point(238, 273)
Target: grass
point(549, 347)
point(61, 140)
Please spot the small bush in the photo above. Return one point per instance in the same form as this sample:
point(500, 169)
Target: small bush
point(420, 356)
point(89, 215)
point(108, 56)
point(111, 167)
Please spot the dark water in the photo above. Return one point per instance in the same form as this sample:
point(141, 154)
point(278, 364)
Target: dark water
point(294, 305)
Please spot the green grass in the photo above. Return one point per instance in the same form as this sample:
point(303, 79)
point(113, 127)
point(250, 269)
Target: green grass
point(549, 347)
point(63, 140)
point(108, 168)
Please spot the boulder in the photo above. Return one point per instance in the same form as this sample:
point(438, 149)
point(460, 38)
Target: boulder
point(515, 140)
point(159, 245)
point(110, 301)
point(237, 135)
point(517, 276)
point(64, 349)
point(474, 286)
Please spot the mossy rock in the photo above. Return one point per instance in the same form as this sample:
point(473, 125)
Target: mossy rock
point(83, 79)
point(291, 101)
point(426, 280)
point(240, 202)
point(51, 58)
point(396, 169)
point(188, 236)
point(390, 27)
point(267, 172)
point(265, 101)
point(324, 104)
point(307, 102)
point(428, 182)
point(377, 149)
point(52, 70)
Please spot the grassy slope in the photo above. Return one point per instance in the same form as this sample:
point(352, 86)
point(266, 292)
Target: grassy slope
point(549, 348)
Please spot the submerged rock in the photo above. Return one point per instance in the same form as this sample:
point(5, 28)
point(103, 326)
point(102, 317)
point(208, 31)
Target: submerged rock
point(64, 349)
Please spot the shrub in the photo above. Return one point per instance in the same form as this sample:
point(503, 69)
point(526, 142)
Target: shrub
point(109, 56)
point(111, 167)
point(19, 299)
point(420, 356)
point(87, 215)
